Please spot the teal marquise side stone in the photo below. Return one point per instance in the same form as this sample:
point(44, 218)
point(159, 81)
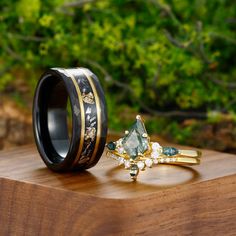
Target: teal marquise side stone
point(170, 151)
point(111, 146)
point(134, 142)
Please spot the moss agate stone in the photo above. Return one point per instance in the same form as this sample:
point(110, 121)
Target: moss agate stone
point(134, 170)
point(170, 151)
point(134, 142)
point(111, 146)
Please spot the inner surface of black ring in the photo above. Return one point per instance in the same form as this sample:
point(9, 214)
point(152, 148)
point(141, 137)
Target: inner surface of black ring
point(53, 118)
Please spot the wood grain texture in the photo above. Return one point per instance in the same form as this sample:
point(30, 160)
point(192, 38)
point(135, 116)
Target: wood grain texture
point(166, 200)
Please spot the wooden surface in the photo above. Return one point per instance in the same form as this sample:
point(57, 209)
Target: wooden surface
point(166, 200)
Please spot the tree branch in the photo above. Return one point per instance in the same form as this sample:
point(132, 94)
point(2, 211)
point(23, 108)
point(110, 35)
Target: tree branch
point(174, 41)
point(167, 9)
point(183, 114)
point(79, 3)
point(13, 54)
point(27, 37)
point(227, 38)
point(201, 44)
point(230, 85)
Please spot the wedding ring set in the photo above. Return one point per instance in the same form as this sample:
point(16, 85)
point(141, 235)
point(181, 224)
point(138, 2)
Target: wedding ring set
point(136, 152)
point(84, 147)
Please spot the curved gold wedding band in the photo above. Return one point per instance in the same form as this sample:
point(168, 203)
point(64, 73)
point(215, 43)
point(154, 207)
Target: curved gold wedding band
point(136, 152)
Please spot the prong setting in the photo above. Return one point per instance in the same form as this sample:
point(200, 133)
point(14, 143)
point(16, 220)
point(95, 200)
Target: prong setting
point(135, 151)
point(144, 135)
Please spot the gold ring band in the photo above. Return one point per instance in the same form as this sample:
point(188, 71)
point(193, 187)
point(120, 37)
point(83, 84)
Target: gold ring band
point(136, 152)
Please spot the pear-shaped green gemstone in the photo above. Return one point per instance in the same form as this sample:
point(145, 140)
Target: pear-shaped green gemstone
point(134, 142)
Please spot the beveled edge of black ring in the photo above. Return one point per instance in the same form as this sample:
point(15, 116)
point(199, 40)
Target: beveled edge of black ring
point(66, 164)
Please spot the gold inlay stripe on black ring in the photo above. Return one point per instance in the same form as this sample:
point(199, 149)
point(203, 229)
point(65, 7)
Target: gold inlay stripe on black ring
point(98, 107)
point(82, 115)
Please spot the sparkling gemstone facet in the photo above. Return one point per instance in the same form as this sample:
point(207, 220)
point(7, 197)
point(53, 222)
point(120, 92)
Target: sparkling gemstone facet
point(148, 162)
point(121, 161)
point(156, 146)
point(127, 164)
point(134, 170)
point(134, 142)
point(155, 155)
point(111, 146)
point(155, 161)
point(170, 151)
point(120, 150)
point(140, 165)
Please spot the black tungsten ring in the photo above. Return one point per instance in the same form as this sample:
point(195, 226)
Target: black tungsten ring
point(83, 149)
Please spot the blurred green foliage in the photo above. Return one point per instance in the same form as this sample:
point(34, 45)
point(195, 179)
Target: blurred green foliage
point(173, 59)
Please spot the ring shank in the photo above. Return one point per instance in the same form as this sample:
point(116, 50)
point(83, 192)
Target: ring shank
point(183, 157)
point(189, 153)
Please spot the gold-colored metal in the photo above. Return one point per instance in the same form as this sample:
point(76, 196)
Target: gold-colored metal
point(88, 98)
point(187, 160)
point(191, 153)
point(154, 154)
point(82, 115)
point(98, 106)
point(145, 135)
point(90, 134)
point(177, 159)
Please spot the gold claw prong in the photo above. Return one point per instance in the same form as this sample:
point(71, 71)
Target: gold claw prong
point(145, 135)
point(138, 117)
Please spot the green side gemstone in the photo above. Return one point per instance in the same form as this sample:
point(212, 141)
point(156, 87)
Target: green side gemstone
point(170, 151)
point(111, 146)
point(134, 142)
point(134, 170)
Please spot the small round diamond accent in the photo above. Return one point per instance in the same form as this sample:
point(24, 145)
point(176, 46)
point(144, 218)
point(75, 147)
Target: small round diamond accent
point(155, 155)
point(148, 162)
point(121, 161)
point(120, 150)
point(119, 142)
point(155, 161)
point(162, 160)
point(127, 164)
point(156, 146)
point(140, 165)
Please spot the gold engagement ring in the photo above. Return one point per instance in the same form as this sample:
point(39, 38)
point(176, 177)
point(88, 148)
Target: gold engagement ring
point(135, 151)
